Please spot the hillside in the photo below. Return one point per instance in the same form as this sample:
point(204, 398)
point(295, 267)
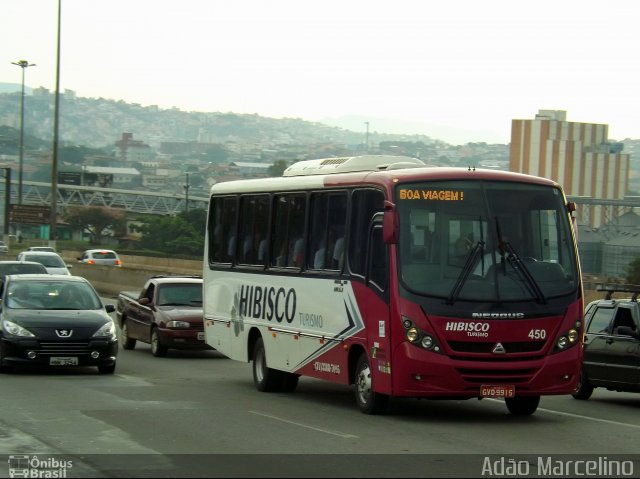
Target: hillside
point(97, 122)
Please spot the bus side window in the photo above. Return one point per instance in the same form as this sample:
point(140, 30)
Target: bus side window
point(364, 204)
point(326, 230)
point(254, 213)
point(288, 228)
point(222, 234)
point(378, 268)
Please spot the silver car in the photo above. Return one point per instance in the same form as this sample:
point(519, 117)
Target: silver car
point(105, 257)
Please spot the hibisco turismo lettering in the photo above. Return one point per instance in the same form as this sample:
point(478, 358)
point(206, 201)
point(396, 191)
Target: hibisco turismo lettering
point(473, 329)
point(267, 303)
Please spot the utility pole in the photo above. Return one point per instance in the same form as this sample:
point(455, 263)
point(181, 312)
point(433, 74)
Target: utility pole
point(24, 64)
point(186, 194)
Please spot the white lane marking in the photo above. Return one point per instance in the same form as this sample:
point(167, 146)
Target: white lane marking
point(579, 416)
point(333, 433)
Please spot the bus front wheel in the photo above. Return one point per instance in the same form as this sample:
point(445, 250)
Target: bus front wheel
point(265, 378)
point(522, 405)
point(369, 401)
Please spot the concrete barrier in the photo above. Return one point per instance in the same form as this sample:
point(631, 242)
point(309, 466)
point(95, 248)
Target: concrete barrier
point(136, 270)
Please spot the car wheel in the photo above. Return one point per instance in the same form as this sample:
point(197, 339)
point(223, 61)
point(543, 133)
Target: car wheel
point(265, 378)
point(127, 342)
point(368, 401)
point(158, 349)
point(107, 369)
point(584, 389)
point(522, 405)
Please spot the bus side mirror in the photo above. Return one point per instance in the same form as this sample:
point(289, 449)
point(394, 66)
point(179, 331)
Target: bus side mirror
point(390, 224)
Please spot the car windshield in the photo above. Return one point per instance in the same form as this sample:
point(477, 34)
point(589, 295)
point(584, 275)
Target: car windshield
point(485, 241)
point(50, 261)
point(51, 295)
point(180, 295)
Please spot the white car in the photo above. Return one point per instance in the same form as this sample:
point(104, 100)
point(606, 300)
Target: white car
point(105, 257)
point(51, 261)
point(41, 248)
point(3, 247)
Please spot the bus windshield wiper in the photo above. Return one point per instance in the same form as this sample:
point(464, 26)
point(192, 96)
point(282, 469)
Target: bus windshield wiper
point(467, 268)
point(518, 265)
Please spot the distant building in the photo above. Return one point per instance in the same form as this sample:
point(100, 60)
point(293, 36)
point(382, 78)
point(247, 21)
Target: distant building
point(247, 168)
point(132, 151)
point(579, 156)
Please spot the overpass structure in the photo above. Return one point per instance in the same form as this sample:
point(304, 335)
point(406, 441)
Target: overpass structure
point(153, 202)
point(137, 201)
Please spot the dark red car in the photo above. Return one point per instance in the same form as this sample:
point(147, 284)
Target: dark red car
point(167, 314)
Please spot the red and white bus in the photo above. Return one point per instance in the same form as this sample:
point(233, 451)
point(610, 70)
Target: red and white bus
point(401, 279)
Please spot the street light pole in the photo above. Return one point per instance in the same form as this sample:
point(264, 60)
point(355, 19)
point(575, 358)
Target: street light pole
point(53, 219)
point(7, 199)
point(22, 64)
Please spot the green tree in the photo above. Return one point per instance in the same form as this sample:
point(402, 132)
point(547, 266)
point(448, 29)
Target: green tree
point(98, 221)
point(633, 271)
point(181, 234)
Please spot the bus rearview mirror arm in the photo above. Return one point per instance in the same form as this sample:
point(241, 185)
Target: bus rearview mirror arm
point(390, 223)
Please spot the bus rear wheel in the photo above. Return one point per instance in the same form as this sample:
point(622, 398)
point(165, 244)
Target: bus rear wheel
point(368, 401)
point(522, 405)
point(265, 378)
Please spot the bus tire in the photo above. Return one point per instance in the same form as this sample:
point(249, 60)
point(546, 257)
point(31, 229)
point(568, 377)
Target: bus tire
point(584, 389)
point(368, 401)
point(265, 378)
point(522, 405)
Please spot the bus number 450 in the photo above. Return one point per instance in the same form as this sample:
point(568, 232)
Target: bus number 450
point(538, 333)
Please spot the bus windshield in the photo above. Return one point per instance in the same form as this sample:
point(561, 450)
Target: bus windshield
point(485, 241)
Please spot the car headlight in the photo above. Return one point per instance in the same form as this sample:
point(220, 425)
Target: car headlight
point(16, 330)
point(107, 329)
point(178, 324)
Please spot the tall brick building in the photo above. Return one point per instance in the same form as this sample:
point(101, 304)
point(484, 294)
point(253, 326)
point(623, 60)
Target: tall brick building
point(579, 156)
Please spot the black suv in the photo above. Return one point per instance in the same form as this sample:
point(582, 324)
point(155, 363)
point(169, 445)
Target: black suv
point(611, 343)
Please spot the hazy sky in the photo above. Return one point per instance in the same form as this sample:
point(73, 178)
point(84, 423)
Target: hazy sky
point(456, 70)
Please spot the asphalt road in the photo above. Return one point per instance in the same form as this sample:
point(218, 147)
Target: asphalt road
point(197, 414)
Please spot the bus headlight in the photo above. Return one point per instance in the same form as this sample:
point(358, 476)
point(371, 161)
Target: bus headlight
point(427, 342)
point(412, 335)
point(418, 337)
point(572, 336)
point(562, 343)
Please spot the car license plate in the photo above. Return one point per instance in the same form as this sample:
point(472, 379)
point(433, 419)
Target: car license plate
point(63, 361)
point(201, 336)
point(495, 391)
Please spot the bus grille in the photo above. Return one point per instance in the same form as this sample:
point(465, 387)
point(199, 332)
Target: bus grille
point(488, 376)
point(487, 347)
point(66, 347)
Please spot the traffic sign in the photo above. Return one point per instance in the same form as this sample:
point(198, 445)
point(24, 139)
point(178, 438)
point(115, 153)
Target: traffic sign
point(29, 214)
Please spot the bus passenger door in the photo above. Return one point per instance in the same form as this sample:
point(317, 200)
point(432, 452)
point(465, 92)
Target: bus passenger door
point(377, 310)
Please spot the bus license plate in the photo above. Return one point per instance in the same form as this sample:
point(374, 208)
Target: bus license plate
point(63, 361)
point(201, 336)
point(501, 391)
